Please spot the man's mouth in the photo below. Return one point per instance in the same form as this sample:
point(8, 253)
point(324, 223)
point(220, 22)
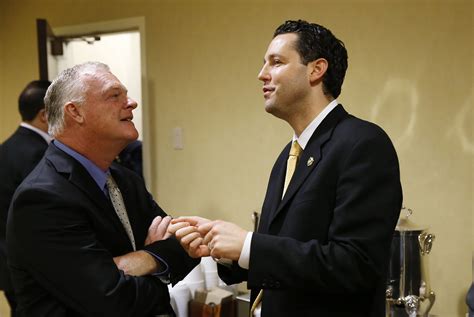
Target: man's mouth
point(267, 91)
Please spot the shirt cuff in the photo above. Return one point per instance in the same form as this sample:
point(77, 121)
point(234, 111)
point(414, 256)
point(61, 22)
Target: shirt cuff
point(244, 258)
point(163, 267)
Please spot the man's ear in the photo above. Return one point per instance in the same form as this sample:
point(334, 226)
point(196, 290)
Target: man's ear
point(317, 69)
point(74, 111)
point(42, 116)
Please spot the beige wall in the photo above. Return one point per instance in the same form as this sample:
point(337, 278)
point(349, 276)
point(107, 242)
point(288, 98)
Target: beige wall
point(4, 112)
point(410, 70)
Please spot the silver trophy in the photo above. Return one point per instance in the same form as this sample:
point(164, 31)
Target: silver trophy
point(408, 291)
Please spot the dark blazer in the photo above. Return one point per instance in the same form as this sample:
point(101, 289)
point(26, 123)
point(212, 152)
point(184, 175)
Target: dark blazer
point(19, 154)
point(323, 249)
point(62, 233)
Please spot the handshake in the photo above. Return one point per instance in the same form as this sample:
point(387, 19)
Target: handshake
point(202, 237)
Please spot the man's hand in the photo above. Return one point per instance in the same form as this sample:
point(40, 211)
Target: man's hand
point(138, 263)
point(185, 230)
point(224, 239)
point(141, 263)
point(158, 230)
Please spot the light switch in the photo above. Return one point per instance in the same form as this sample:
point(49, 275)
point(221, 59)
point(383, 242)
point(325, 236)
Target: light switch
point(178, 138)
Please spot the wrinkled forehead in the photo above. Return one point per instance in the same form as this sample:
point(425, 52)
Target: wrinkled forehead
point(103, 81)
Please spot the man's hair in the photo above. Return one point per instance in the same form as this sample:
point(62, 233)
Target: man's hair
point(31, 98)
point(68, 87)
point(315, 41)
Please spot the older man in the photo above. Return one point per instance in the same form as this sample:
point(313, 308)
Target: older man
point(85, 237)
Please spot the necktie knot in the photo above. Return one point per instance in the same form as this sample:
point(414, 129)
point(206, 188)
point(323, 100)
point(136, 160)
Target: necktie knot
point(295, 149)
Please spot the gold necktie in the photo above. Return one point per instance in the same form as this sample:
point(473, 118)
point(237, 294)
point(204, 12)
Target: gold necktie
point(295, 153)
point(119, 206)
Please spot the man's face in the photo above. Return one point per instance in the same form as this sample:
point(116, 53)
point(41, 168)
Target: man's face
point(285, 79)
point(108, 110)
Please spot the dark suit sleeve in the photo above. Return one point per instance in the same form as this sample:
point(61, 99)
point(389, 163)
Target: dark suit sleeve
point(232, 275)
point(367, 202)
point(55, 239)
point(170, 250)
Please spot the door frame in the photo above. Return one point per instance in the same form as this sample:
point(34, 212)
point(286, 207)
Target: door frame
point(44, 37)
point(114, 26)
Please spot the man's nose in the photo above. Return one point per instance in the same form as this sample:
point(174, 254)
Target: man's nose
point(132, 103)
point(264, 75)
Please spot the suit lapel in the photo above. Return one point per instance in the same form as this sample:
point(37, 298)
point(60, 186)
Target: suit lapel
point(274, 190)
point(80, 178)
point(310, 157)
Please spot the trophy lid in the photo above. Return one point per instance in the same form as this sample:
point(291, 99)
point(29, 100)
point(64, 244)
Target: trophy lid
point(405, 224)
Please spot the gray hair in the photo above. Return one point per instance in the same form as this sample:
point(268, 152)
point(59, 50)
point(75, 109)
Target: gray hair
point(68, 87)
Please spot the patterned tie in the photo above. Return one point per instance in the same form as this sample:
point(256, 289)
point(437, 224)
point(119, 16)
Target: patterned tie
point(295, 153)
point(119, 206)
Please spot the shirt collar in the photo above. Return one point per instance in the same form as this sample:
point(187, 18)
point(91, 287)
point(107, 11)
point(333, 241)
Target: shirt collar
point(43, 134)
point(304, 137)
point(99, 176)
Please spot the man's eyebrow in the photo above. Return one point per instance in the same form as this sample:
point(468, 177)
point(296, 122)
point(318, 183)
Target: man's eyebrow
point(271, 56)
point(114, 87)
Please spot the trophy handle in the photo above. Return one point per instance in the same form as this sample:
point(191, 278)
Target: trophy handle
point(431, 298)
point(426, 242)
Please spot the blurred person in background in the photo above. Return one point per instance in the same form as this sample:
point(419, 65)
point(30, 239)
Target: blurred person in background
point(19, 154)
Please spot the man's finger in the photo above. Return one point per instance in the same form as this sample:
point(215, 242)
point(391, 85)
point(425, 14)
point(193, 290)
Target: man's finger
point(205, 228)
point(173, 228)
point(207, 238)
point(154, 224)
point(181, 233)
point(195, 243)
point(202, 251)
point(187, 239)
point(191, 220)
point(163, 225)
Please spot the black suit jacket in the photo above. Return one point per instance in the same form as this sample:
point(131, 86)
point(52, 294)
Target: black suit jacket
point(323, 249)
point(19, 154)
point(62, 234)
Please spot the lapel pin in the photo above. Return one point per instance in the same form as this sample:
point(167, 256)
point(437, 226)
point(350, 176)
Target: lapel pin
point(310, 161)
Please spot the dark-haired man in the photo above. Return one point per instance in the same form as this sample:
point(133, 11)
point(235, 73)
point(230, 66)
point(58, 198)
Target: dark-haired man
point(333, 199)
point(19, 154)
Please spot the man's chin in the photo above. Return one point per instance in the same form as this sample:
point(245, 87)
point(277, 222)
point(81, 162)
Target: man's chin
point(130, 138)
point(272, 109)
point(133, 135)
